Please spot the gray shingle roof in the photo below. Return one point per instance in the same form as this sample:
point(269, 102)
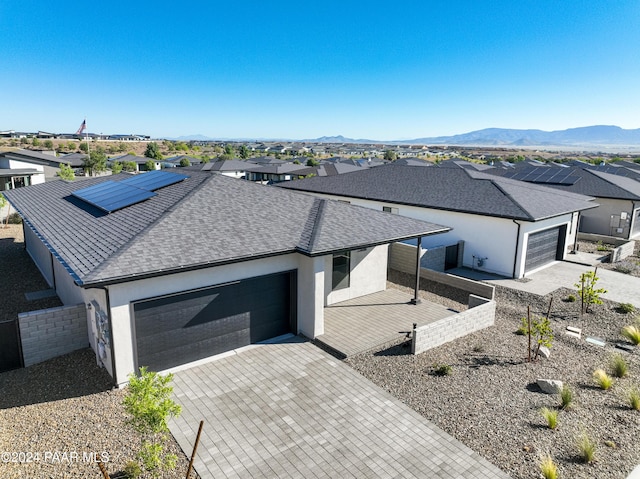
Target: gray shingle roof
point(202, 221)
point(453, 189)
point(591, 182)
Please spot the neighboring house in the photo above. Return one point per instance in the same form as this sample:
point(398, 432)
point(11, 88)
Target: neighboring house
point(508, 227)
point(46, 163)
point(140, 161)
point(176, 160)
point(234, 168)
point(614, 188)
point(204, 265)
point(276, 173)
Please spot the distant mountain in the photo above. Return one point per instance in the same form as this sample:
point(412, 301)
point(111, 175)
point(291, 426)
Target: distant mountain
point(338, 139)
point(588, 135)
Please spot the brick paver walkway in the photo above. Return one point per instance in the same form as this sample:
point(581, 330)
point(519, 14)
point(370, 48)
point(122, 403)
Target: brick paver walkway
point(290, 410)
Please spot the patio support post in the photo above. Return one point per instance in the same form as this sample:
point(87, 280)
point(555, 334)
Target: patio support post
point(415, 299)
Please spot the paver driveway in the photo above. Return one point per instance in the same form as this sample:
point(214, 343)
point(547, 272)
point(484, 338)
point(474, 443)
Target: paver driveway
point(291, 410)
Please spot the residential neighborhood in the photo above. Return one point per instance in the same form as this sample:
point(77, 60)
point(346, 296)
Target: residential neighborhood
point(262, 267)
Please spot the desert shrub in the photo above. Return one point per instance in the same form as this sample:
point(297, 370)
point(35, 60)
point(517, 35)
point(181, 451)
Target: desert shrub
point(571, 298)
point(548, 468)
point(551, 416)
point(602, 379)
point(626, 308)
point(566, 397)
point(14, 219)
point(619, 366)
point(442, 369)
point(132, 470)
point(632, 333)
point(586, 448)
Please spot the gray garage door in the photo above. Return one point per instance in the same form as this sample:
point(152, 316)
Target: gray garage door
point(542, 248)
point(178, 329)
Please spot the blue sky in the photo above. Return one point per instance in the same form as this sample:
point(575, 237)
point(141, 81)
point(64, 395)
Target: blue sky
point(279, 69)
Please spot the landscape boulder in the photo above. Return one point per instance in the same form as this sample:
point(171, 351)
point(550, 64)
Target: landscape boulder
point(550, 386)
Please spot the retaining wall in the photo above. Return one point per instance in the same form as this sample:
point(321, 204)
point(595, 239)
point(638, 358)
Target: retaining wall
point(481, 314)
point(402, 257)
point(48, 333)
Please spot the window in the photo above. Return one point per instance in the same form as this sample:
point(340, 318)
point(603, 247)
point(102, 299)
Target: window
point(341, 268)
point(389, 209)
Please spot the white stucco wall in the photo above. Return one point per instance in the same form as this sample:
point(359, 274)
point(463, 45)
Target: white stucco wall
point(40, 255)
point(492, 239)
point(368, 274)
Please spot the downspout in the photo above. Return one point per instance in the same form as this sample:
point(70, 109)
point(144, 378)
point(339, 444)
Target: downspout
point(113, 351)
point(415, 299)
point(515, 256)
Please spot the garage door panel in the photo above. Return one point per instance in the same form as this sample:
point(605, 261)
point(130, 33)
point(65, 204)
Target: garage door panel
point(166, 359)
point(181, 328)
point(542, 248)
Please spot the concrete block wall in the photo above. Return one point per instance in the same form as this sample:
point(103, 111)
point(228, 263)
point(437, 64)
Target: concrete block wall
point(48, 333)
point(433, 258)
point(622, 251)
point(402, 257)
point(481, 314)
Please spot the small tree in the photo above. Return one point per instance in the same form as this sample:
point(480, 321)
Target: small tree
point(48, 144)
point(153, 151)
point(66, 172)
point(116, 167)
point(35, 141)
point(150, 165)
point(129, 166)
point(96, 162)
point(84, 147)
point(244, 152)
point(390, 155)
point(228, 150)
point(149, 403)
point(312, 162)
point(185, 162)
point(587, 290)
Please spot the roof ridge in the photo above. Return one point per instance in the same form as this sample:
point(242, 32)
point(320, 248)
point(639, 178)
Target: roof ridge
point(502, 190)
point(312, 224)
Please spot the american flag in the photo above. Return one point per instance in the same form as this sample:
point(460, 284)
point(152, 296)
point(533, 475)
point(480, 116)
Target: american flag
point(82, 127)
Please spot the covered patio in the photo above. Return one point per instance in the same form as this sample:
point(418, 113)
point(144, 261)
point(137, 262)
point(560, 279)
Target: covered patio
point(357, 325)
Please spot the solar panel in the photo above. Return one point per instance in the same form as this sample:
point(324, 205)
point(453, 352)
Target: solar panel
point(112, 195)
point(154, 180)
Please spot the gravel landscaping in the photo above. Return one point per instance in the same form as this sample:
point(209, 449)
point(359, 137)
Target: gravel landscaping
point(629, 265)
point(491, 402)
point(64, 405)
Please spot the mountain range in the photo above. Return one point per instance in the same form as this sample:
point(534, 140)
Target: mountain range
point(598, 135)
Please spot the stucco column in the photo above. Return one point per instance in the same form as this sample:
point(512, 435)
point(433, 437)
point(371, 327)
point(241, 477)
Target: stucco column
point(311, 296)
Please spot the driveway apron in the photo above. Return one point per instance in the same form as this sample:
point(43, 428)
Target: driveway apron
point(290, 410)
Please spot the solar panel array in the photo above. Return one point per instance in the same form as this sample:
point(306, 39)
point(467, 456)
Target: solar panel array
point(110, 196)
point(544, 175)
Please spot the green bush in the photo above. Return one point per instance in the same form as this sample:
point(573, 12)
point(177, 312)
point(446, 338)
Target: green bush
point(586, 448)
point(551, 416)
point(442, 369)
point(619, 366)
point(571, 298)
point(626, 308)
point(548, 468)
point(14, 219)
point(566, 397)
point(602, 379)
point(132, 470)
point(632, 333)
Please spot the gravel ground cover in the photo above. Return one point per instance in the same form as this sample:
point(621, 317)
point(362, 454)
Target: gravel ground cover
point(629, 265)
point(64, 405)
point(492, 404)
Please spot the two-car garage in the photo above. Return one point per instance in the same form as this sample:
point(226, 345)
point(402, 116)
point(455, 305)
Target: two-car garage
point(178, 329)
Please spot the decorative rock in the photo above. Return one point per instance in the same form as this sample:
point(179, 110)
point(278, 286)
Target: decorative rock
point(544, 352)
point(550, 386)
